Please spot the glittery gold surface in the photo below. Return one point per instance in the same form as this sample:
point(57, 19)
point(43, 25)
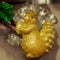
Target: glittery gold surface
point(35, 42)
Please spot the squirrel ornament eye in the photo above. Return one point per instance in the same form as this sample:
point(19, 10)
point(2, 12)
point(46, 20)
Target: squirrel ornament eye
point(31, 17)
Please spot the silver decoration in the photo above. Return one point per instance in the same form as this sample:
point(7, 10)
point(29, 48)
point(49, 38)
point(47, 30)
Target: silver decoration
point(14, 40)
point(43, 14)
point(52, 18)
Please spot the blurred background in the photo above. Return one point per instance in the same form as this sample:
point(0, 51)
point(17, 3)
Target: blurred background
point(34, 1)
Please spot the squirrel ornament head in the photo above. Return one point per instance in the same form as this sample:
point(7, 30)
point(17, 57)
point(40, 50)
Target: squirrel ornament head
point(31, 16)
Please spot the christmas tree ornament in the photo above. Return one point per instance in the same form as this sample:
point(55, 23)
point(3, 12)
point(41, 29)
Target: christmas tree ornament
point(37, 30)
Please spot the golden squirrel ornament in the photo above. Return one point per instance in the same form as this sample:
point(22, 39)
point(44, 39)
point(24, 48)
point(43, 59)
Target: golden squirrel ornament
point(35, 42)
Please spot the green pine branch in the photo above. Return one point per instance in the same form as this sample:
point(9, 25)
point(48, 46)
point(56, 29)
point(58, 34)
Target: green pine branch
point(6, 12)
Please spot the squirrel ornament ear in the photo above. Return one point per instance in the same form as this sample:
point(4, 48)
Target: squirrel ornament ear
point(32, 13)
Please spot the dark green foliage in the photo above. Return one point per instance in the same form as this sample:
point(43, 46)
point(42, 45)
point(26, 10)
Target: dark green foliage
point(6, 12)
